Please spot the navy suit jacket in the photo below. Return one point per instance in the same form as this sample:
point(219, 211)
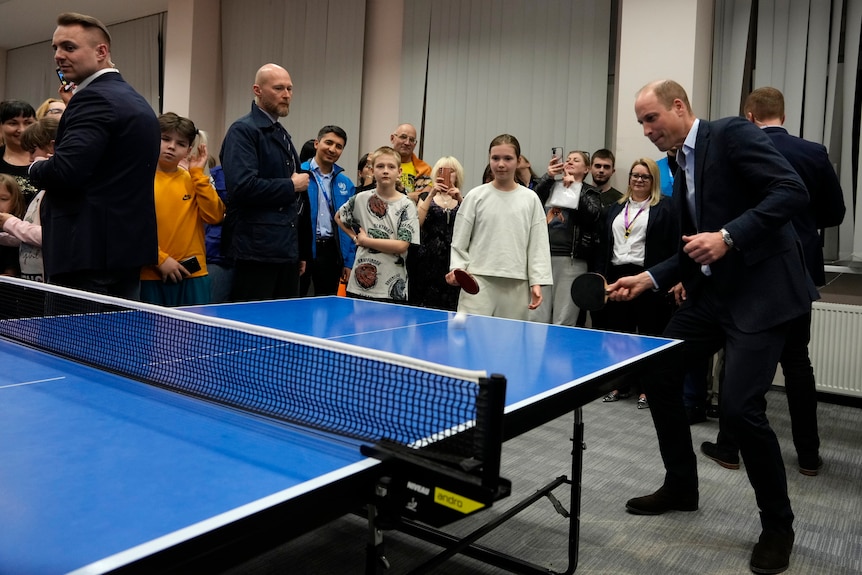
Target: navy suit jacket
point(99, 210)
point(826, 200)
point(743, 184)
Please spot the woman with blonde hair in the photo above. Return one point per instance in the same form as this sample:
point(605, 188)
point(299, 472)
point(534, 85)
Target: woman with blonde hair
point(429, 262)
point(640, 231)
point(51, 107)
point(573, 211)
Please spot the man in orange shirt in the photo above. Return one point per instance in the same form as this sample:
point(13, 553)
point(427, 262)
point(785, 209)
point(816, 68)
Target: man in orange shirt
point(415, 174)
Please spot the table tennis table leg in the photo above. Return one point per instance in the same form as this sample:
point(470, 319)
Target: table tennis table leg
point(468, 546)
point(578, 447)
point(375, 557)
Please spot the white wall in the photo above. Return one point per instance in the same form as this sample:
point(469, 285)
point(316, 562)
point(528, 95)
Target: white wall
point(381, 74)
point(193, 65)
point(658, 40)
point(3, 73)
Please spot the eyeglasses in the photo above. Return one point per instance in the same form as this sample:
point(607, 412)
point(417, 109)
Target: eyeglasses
point(406, 138)
point(641, 177)
point(55, 110)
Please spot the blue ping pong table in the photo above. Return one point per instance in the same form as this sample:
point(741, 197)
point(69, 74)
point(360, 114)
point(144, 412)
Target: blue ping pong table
point(100, 473)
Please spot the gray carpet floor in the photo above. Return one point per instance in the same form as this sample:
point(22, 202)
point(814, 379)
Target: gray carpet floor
point(622, 461)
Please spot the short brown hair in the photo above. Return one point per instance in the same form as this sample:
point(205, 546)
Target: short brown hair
point(604, 154)
point(765, 104)
point(506, 139)
point(40, 134)
point(666, 91)
point(171, 122)
point(88, 22)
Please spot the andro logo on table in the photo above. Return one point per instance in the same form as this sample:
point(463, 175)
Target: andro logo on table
point(455, 501)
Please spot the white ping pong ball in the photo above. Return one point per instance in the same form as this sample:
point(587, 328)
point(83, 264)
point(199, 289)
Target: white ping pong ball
point(459, 320)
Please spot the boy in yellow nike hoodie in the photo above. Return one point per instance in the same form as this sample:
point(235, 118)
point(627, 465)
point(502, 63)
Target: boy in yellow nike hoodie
point(185, 201)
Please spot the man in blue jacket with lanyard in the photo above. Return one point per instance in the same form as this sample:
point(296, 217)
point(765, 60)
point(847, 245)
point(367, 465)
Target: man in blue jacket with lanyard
point(328, 189)
point(265, 226)
point(741, 263)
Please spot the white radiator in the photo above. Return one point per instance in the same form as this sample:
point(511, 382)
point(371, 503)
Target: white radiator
point(836, 348)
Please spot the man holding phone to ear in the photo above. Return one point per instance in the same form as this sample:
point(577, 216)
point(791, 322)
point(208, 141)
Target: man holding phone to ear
point(98, 215)
point(65, 85)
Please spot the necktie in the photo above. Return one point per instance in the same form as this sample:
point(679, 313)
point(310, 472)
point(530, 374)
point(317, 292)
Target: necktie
point(279, 129)
point(291, 153)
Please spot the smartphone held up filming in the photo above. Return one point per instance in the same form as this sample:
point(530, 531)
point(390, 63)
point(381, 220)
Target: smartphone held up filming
point(446, 175)
point(557, 155)
point(557, 152)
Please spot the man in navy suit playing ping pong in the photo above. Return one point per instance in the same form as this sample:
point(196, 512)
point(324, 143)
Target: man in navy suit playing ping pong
point(98, 215)
point(741, 263)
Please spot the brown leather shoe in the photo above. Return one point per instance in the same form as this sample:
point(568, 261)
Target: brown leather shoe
point(725, 458)
point(810, 466)
point(661, 501)
point(771, 554)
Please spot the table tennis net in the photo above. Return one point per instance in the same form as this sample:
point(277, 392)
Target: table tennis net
point(329, 386)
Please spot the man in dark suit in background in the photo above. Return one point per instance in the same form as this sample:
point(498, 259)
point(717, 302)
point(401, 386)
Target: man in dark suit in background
point(765, 108)
point(742, 267)
point(98, 215)
point(267, 228)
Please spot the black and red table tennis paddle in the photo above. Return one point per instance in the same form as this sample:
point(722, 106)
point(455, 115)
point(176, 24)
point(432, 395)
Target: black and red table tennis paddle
point(466, 281)
point(590, 291)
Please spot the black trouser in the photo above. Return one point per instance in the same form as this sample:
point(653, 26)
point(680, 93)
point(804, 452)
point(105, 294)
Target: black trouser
point(325, 270)
point(125, 283)
point(750, 362)
point(255, 281)
point(801, 392)
point(647, 314)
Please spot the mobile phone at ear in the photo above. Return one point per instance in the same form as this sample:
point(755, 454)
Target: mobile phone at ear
point(191, 264)
point(63, 81)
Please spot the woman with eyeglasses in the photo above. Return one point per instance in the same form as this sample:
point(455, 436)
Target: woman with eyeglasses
point(52, 107)
point(639, 231)
point(573, 209)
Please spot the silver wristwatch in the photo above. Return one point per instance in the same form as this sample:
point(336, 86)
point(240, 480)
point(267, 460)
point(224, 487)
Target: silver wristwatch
point(725, 235)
